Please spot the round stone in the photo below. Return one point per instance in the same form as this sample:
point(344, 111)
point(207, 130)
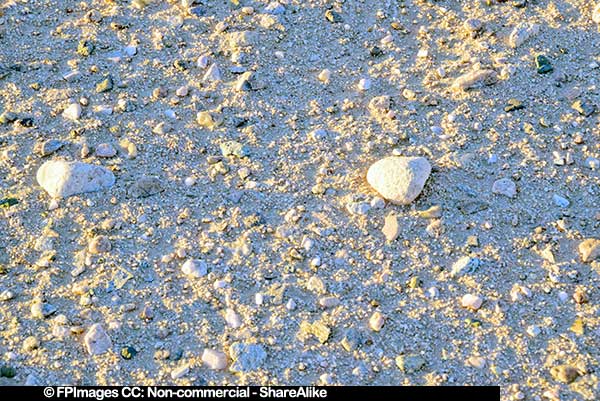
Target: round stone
point(99, 244)
point(399, 179)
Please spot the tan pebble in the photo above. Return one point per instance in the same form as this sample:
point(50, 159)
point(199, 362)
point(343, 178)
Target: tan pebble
point(376, 321)
point(391, 228)
point(589, 249)
point(324, 75)
point(580, 296)
point(99, 244)
point(564, 373)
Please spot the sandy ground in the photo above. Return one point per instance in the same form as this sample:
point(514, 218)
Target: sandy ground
point(274, 226)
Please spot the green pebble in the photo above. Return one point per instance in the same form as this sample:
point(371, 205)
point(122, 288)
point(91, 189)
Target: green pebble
point(543, 64)
point(7, 371)
point(128, 352)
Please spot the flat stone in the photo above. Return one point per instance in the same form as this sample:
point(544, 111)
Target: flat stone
point(105, 150)
point(471, 301)
point(505, 186)
point(410, 364)
point(584, 107)
point(247, 357)
point(41, 310)
point(96, 340)
point(145, 187)
point(62, 179)
point(233, 148)
point(180, 372)
point(105, 85)
point(72, 112)
point(589, 249)
point(399, 179)
point(48, 147)
point(214, 360)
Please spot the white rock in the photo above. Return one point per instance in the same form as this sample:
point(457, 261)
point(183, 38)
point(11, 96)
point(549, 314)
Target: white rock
point(182, 91)
point(72, 112)
point(563, 296)
point(96, 340)
point(471, 301)
point(399, 179)
point(189, 181)
point(214, 360)
point(195, 268)
point(232, 318)
point(593, 163)
point(433, 292)
point(203, 61)
point(179, 372)
point(212, 74)
point(62, 179)
point(505, 186)
point(358, 208)
point(376, 321)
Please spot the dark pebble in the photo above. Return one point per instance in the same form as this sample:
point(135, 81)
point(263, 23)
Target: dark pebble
point(7, 371)
point(128, 352)
point(543, 64)
point(333, 17)
point(376, 51)
point(8, 202)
